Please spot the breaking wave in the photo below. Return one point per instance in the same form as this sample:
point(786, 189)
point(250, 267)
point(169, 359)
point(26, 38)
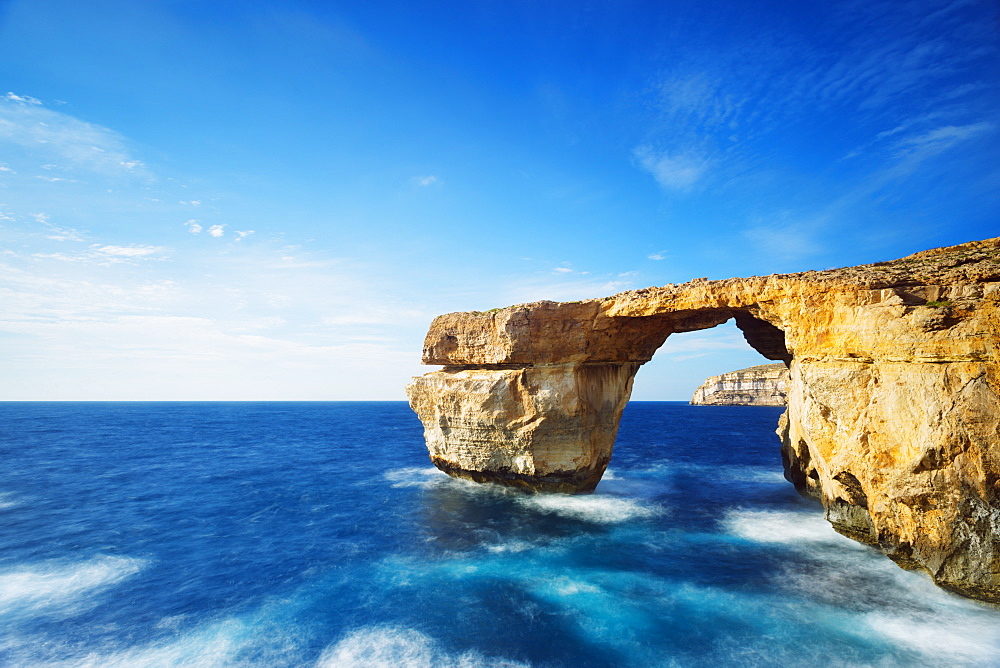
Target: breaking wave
point(591, 508)
point(61, 587)
point(393, 647)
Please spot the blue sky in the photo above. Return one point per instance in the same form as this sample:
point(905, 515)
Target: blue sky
point(271, 200)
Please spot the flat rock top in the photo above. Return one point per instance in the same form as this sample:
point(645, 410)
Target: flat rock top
point(759, 369)
point(972, 262)
point(629, 326)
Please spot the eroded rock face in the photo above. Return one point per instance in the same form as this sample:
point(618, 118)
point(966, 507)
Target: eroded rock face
point(762, 385)
point(892, 421)
point(546, 428)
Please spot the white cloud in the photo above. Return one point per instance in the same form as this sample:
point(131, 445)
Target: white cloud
point(193, 202)
point(193, 226)
point(56, 179)
point(698, 98)
point(678, 171)
point(940, 139)
point(247, 331)
point(216, 231)
point(65, 234)
point(909, 153)
point(784, 239)
point(56, 138)
point(562, 270)
point(23, 99)
point(425, 181)
point(97, 254)
point(129, 251)
point(242, 234)
point(658, 255)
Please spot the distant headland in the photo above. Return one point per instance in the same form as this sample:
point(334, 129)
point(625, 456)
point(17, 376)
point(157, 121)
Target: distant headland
point(761, 385)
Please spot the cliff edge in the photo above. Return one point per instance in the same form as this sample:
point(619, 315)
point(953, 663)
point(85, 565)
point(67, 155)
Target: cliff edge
point(892, 420)
point(761, 385)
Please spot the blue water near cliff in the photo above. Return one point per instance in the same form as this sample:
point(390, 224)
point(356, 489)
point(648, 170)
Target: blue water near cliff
point(316, 534)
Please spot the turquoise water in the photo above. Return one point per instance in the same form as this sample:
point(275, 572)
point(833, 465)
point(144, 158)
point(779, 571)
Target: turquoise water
point(317, 534)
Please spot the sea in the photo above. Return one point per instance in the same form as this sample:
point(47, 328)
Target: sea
point(318, 534)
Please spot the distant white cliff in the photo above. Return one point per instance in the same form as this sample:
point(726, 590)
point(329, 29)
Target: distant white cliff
point(763, 385)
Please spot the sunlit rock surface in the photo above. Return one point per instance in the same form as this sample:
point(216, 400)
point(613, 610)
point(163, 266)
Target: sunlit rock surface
point(892, 419)
point(762, 385)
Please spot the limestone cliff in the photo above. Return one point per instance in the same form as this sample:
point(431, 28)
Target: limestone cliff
point(892, 419)
point(761, 385)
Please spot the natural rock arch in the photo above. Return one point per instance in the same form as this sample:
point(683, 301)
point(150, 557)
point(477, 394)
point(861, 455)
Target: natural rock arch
point(894, 388)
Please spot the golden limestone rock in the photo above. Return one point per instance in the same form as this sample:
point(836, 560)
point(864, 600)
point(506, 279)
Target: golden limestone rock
point(893, 418)
point(762, 385)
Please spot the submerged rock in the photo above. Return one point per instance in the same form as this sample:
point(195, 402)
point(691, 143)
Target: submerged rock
point(761, 385)
point(892, 421)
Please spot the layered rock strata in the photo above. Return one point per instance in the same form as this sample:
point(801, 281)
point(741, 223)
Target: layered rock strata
point(892, 419)
point(761, 385)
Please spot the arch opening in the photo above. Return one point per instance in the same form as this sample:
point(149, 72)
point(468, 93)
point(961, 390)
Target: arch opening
point(707, 343)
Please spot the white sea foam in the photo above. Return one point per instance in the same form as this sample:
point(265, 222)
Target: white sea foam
point(960, 640)
point(793, 528)
point(7, 500)
point(256, 639)
point(61, 586)
point(393, 647)
point(416, 477)
point(566, 586)
point(510, 546)
point(902, 608)
point(750, 474)
point(596, 508)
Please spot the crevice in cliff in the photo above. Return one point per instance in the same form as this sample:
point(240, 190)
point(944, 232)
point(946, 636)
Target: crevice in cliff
point(763, 337)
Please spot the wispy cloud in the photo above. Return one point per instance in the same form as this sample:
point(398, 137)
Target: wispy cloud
point(217, 231)
point(673, 171)
point(886, 67)
point(940, 139)
point(425, 181)
point(305, 326)
point(658, 255)
point(22, 99)
point(783, 239)
point(55, 138)
point(193, 226)
point(65, 234)
point(104, 254)
point(129, 251)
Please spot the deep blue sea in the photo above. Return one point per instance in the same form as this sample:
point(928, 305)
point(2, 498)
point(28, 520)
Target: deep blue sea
point(318, 534)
